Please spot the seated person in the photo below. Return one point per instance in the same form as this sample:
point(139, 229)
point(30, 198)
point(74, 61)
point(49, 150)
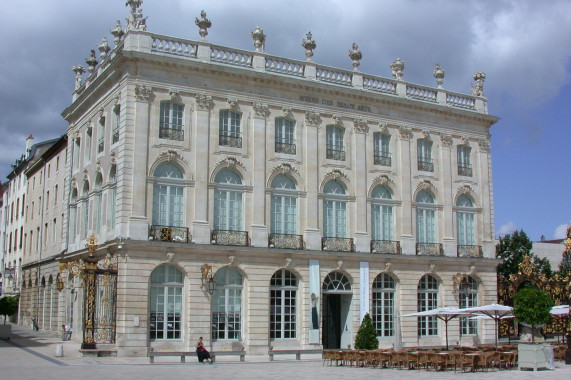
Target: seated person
point(201, 352)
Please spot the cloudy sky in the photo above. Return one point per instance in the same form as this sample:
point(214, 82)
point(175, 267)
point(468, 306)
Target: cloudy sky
point(523, 46)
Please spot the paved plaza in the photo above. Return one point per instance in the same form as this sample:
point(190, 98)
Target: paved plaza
point(31, 355)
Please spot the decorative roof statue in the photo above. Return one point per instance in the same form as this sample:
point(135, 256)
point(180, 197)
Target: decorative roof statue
point(103, 48)
point(136, 21)
point(78, 70)
point(91, 62)
point(478, 86)
point(309, 45)
point(117, 33)
point(439, 75)
point(397, 68)
point(355, 56)
point(259, 38)
point(203, 24)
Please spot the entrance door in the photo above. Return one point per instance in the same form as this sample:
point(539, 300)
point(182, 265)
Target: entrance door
point(332, 321)
point(336, 311)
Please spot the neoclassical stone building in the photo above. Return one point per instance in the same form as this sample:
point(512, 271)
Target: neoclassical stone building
point(262, 201)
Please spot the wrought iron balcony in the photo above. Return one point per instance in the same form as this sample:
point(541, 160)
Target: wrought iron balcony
point(465, 170)
point(285, 241)
point(430, 249)
point(469, 251)
point(171, 134)
point(225, 237)
point(101, 145)
point(232, 141)
point(335, 154)
point(115, 136)
point(383, 159)
point(386, 247)
point(169, 233)
point(337, 244)
point(426, 165)
point(287, 148)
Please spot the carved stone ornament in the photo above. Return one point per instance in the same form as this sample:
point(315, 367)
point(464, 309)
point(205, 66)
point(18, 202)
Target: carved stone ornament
point(426, 185)
point(426, 135)
point(287, 262)
point(383, 128)
point(446, 139)
point(334, 175)
point(117, 33)
point(465, 140)
point(261, 110)
point(231, 163)
point(478, 86)
point(284, 168)
point(308, 45)
point(484, 145)
point(388, 266)
point(360, 125)
point(339, 264)
point(383, 180)
point(439, 75)
point(79, 71)
point(103, 48)
point(233, 103)
point(91, 62)
point(170, 256)
point(397, 68)
point(203, 24)
point(259, 38)
point(472, 269)
point(337, 120)
point(171, 155)
point(465, 189)
point(355, 56)
point(432, 268)
point(117, 103)
point(232, 260)
point(286, 112)
point(405, 133)
point(136, 21)
point(312, 117)
point(174, 94)
point(143, 92)
point(204, 102)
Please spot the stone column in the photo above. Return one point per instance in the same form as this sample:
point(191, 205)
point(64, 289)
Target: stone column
point(312, 234)
point(447, 171)
point(484, 172)
point(259, 237)
point(362, 237)
point(406, 217)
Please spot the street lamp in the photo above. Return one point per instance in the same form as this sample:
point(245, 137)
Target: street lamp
point(208, 282)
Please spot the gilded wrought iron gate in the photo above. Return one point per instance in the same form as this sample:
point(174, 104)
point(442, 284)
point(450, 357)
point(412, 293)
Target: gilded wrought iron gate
point(105, 302)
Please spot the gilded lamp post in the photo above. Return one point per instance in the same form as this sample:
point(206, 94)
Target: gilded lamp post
point(567, 265)
point(89, 289)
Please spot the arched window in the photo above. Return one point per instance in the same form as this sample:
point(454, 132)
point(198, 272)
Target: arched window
point(336, 282)
point(468, 296)
point(72, 215)
point(227, 304)
point(168, 200)
point(112, 197)
point(166, 303)
point(465, 221)
point(425, 218)
point(85, 222)
point(382, 222)
point(284, 206)
point(334, 210)
point(283, 292)
point(427, 299)
point(384, 305)
point(228, 214)
point(98, 203)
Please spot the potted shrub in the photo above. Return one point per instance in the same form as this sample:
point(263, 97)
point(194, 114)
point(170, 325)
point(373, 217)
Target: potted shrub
point(531, 307)
point(8, 307)
point(366, 338)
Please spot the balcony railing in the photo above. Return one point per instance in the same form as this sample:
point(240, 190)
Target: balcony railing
point(115, 136)
point(287, 148)
point(171, 134)
point(465, 170)
point(225, 237)
point(335, 154)
point(430, 249)
point(386, 247)
point(232, 141)
point(469, 251)
point(285, 241)
point(337, 244)
point(101, 145)
point(383, 159)
point(169, 233)
point(426, 165)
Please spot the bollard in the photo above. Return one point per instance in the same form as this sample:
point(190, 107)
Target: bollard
point(59, 350)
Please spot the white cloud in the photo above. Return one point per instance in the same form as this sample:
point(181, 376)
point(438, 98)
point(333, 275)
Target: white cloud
point(560, 231)
point(506, 229)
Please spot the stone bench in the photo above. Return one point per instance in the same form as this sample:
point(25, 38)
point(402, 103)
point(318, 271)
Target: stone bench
point(184, 354)
point(296, 352)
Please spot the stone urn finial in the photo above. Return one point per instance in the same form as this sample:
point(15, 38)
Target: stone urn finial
point(103, 48)
point(355, 56)
point(397, 68)
point(136, 20)
point(91, 62)
point(78, 70)
point(439, 75)
point(309, 45)
point(478, 86)
point(259, 38)
point(117, 33)
point(203, 24)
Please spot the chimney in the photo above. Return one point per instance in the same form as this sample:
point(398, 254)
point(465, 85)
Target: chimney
point(29, 143)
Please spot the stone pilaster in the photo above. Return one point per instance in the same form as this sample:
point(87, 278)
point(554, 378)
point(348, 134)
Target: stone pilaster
point(259, 230)
point(312, 234)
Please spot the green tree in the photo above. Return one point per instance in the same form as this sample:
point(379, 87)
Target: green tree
point(8, 306)
point(512, 249)
point(366, 338)
point(532, 306)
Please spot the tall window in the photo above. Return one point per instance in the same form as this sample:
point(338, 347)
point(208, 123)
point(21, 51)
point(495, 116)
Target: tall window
point(101, 135)
point(230, 132)
point(170, 123)
point(424, 153)
point(112, 197)
point(116, 119)
point(88, 142)
point(85, 222)
point(384, 305)
point(227, 304)
point(72, 215)
point(228, 214)
point(468, 295)
point(382, 214)
point(465, 221)
point(425, 218)
point(76, 150)
point(166, 303)
point(168, 200)
point(98, 203)
point(284, 206)
point(427, 299)
point(335, 143)
point(382, 152)
point(464, 164)
point(283, 291)
point(285, 136)
point(334, 210)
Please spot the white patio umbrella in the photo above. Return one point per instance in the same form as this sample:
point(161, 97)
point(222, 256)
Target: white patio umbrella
point(443, 313)
point(494, 311)
point(560, 310)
